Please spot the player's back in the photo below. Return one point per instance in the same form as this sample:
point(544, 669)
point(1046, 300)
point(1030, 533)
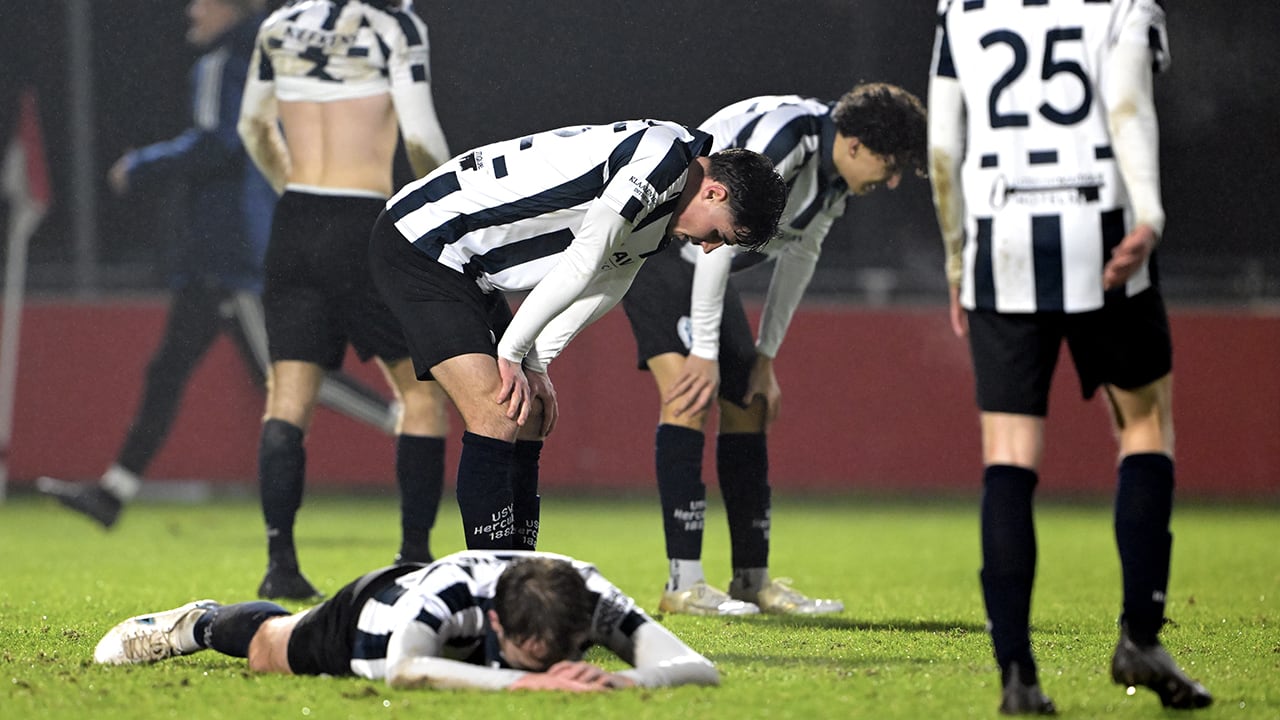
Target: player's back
point(1041, 184)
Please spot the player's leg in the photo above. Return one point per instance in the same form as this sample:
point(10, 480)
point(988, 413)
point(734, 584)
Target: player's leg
point(446, 322)
point(1014, 357)
point(291, 395)
point(196, 626)
point(305, 340)
point(486, 498)
point(678, 446)
point(742, 464)
point(420, 452)
point(1128, 350)
point(526, 502)
point(339, 391)
point(657, 307)
point(190, 329)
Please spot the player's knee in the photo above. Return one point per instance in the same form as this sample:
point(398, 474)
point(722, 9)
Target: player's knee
point(423, 413)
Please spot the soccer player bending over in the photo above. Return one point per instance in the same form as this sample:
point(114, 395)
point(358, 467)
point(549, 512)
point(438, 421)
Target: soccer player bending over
point(483, 620)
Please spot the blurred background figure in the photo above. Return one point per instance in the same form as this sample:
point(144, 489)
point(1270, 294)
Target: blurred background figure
point(215, 264)
point(334, 86)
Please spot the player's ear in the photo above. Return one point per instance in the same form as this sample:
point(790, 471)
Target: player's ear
point(714, 191)
point(492, 615)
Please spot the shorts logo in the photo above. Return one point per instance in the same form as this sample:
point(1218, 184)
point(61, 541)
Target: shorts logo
point(684, 329)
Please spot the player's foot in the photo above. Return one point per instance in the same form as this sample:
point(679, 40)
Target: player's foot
point(702, 599)
point(88, 499)
point(148, 638)
point(1152, 667)
point(1020, 698)
point(779, 598)
point(285, 582)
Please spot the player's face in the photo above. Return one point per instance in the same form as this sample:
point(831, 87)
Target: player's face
point(863, 170)
point(209, 19)
point(707, 220)
point(529, 655)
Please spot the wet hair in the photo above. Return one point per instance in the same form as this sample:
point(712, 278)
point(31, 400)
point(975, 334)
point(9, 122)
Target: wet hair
point(546, 600)
point(887, 119)
point(757, 194)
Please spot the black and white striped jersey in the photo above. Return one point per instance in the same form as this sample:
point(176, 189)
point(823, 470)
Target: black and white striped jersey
point(585, 204)
point(330, 50)
point(797, 134)
point(1044, 198)
point(337, 49)
point(440, 611)
point(504, 213)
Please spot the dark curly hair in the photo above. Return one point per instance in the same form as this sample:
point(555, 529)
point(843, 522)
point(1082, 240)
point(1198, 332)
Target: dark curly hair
point(888, 120)
point(544, 599)
point(757, 194)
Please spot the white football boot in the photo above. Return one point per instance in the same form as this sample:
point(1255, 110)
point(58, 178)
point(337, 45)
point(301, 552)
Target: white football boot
point(702, 599)
point(148, 638)
point(779, 598)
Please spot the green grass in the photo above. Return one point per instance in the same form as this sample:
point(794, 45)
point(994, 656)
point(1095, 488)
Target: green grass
point(910, 644)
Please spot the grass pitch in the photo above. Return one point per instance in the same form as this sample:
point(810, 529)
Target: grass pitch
point(910, 644)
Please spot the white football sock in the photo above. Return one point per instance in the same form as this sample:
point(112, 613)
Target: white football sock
point(684, 575)
point(120, 482)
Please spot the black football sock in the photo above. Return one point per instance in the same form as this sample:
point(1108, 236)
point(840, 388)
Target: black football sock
point(524, 492)
point(420, 478)
point(1009, 563)
point(1144, 505)
point(484, 492)
point(742, 464)
point(678, 457)
point(282, 463)
point(230, 628)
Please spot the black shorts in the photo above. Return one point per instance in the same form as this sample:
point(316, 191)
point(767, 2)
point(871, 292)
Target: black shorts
point(443, 313)
point(658, 307)
point(324, 640)
point(1125, 344)
point(318, 294)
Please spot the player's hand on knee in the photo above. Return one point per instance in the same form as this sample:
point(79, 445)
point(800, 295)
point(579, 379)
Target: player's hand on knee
point(541, 389)
point(515, 390)
point(695, 388)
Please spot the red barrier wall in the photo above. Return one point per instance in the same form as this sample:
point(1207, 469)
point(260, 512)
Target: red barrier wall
point(873, 399)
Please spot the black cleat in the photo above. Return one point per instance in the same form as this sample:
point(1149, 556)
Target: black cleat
point(1152, 667)
point(287, 583)
point(90, 500)
point(1020, 698)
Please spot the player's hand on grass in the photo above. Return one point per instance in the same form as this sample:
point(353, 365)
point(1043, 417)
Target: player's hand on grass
point(1128, 256)
point(567, 676)
point(696, 386)
point(540, 388)
point(515, 390)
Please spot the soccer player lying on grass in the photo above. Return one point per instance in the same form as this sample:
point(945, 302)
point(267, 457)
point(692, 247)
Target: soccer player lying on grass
point(486, 620)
